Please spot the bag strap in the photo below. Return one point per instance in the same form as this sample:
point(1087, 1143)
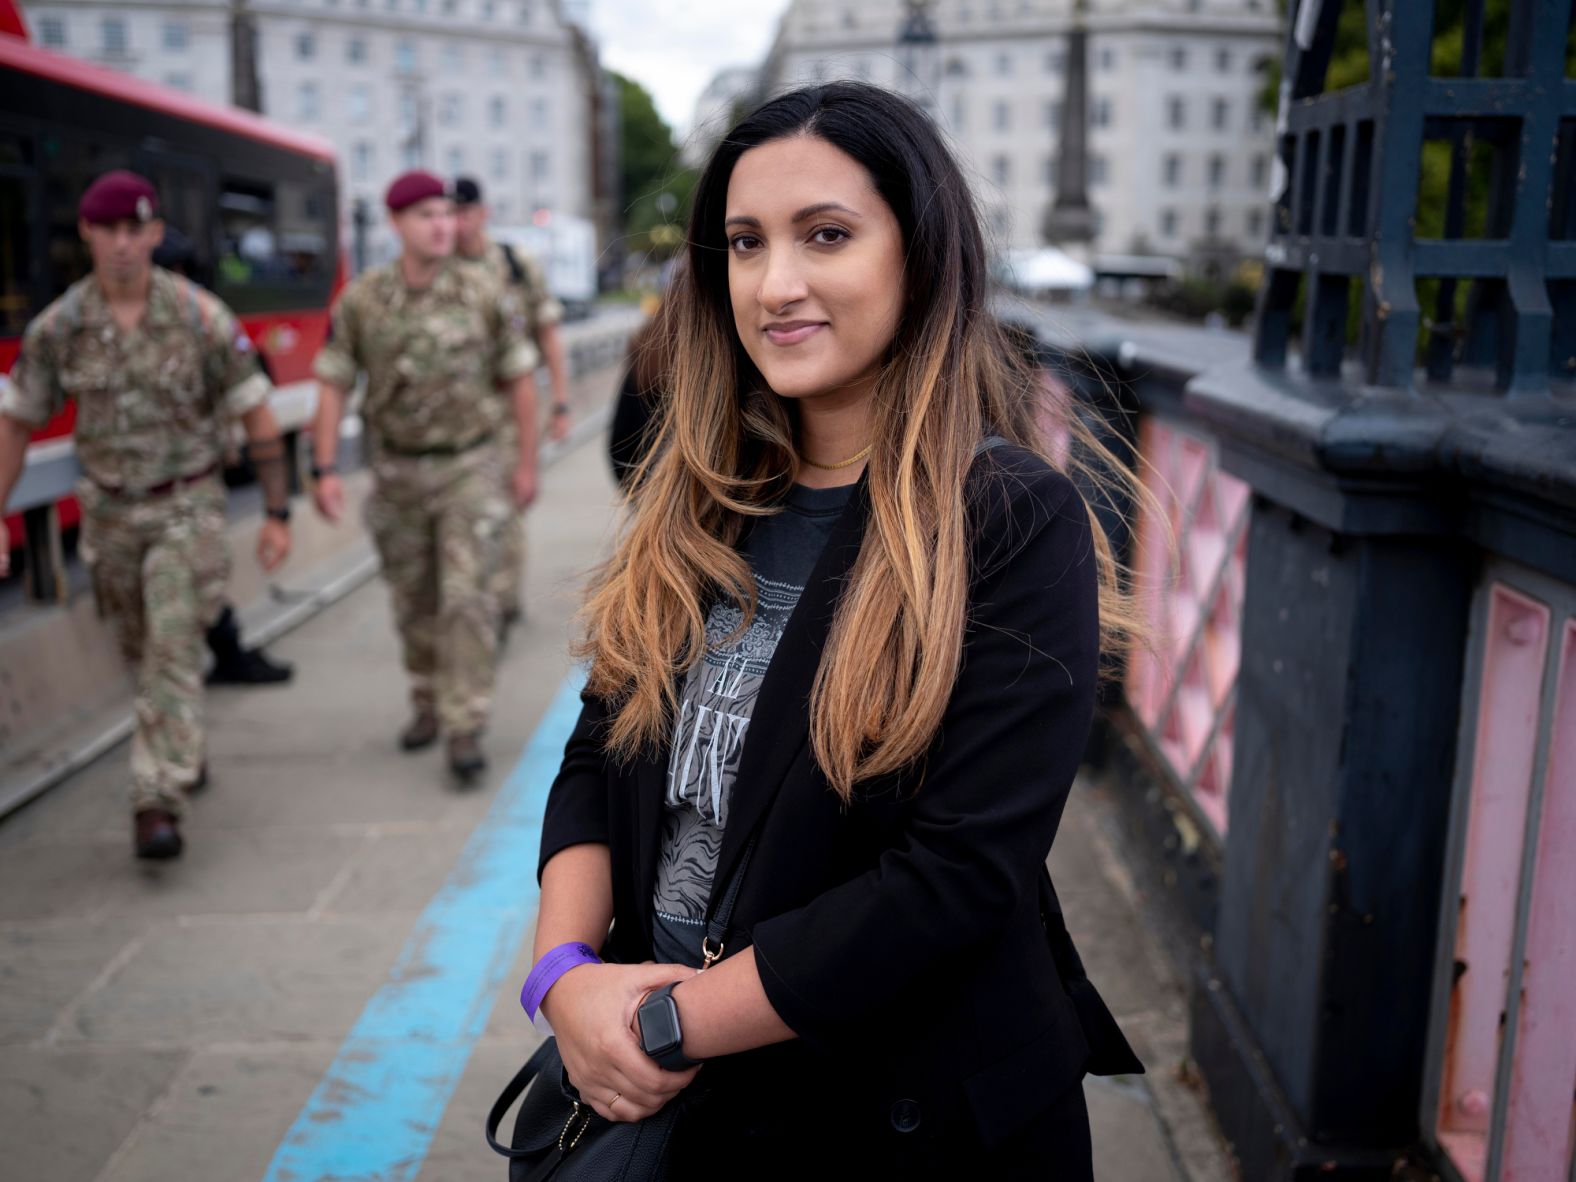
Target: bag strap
point(516, 268)
point(512, 1092)
point(720, 927)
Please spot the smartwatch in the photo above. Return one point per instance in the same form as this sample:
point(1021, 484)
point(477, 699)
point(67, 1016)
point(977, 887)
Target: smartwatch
point(280, 514)
point(321, 470)
point(660, 1034)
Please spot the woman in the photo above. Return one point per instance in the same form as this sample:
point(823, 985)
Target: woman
point(849, 642)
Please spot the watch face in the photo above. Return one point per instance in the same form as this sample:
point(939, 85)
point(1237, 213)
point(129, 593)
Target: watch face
point(659, 1026)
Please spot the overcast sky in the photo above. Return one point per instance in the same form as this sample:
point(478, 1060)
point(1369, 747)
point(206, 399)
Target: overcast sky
point(674, 47)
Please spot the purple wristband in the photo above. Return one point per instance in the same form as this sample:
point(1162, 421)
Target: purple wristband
point(545, 973)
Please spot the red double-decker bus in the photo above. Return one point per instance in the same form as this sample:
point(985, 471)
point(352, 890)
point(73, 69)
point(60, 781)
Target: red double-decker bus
point(252, 206)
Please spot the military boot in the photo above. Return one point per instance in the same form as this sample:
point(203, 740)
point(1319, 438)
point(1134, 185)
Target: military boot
point(467, 760)
point(236, 665)
point(421, 731)
point(158, 835)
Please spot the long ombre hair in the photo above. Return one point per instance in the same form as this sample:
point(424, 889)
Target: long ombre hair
point(723, 452)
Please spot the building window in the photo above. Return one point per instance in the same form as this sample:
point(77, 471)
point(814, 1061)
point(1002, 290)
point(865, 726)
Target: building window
point(1053, 115)
point(1054, 61)
point(1001, 170)
point(1004, 64)
point(306, 102)
point(176, 35)
point(453, 58)
point(356, 51)
point(539, 112)
point(450, 7)
point(1168, 223)
point(358, 103)
point(495, 61)
point(361, 162)
point(409, 114)
point(956, 68)
point(420, 6)
point(1260, 172)
point(1212, 222)
point(404, 56)
point(52, 32)
point(489, 9)
point(1171, 174)
point(1100, 115)
point(1107, 59)
point(179, 81)
point(959, 112)
point(1178, 57)
point(1097, 169)
point(305, 47)
point(497, 111)
point(113, 34)
point(1048, 170)
point(456, 161)
point(1176, 113)
point(1220, 114)
point(410, 155)
point(541, 167)
point(538, 66)
point(451, 108)
point(525, 13)
point(500, 164)
point(1217, 170)
point(1000, 223)
point(1223, 60)
point(1003, 116)
point(1255, 223)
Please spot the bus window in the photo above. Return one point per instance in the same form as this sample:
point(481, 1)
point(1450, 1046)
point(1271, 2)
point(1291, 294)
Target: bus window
point(275, 250)
point(70, 165)
point(16, 262)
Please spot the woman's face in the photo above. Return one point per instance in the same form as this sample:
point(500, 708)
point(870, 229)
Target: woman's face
point(815, 268)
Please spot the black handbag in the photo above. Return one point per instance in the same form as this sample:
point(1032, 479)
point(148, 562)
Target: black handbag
point(558, 1136)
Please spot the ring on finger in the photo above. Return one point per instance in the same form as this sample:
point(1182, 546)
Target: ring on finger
point(614, 1100)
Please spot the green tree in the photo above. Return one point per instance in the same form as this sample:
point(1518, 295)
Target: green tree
point(657, 188)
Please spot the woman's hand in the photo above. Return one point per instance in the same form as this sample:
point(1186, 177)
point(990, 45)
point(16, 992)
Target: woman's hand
point(592, 1009)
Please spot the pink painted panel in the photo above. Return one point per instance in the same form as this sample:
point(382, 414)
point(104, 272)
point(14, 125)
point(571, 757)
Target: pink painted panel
point(1540, 1129)
point(1514, 648)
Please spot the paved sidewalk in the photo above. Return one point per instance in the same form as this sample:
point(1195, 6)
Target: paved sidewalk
point(170, 1022)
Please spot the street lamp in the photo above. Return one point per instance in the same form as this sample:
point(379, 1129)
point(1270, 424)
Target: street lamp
point(919, 54)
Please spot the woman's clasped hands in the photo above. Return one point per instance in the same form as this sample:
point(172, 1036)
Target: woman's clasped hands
point(592, 1010)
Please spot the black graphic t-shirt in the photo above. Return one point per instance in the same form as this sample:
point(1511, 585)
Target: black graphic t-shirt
point(715, 710)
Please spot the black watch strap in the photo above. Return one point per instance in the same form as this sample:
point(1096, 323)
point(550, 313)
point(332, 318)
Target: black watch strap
point(321, 470)
point(280, 514)
point(669, 1058)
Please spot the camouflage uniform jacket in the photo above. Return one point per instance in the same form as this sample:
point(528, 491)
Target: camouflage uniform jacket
point(150, 399)
point(526, 276)
point(435, 358)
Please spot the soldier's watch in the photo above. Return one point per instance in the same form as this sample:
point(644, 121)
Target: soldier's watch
point(280, 514)
point(560, 408)
point(321, 470)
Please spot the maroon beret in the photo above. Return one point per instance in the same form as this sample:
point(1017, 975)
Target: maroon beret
point(119, 196)
point(411, 187)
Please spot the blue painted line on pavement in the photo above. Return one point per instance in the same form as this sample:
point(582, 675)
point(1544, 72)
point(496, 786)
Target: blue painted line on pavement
point(374, 1113)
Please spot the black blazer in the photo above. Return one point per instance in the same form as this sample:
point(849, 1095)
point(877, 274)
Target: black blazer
point(904, 938)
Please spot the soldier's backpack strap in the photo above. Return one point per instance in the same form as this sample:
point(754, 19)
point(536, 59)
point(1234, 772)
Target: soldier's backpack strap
point(517, 274)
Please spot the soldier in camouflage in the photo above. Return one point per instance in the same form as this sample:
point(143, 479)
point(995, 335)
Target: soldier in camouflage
point(154, 364)
point(447, 365)
point(522, 273)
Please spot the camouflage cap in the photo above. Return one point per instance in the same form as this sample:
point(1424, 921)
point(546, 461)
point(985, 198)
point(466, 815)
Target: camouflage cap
point(119, 196)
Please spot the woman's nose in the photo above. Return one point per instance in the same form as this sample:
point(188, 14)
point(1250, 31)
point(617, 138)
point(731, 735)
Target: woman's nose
point(783, 283)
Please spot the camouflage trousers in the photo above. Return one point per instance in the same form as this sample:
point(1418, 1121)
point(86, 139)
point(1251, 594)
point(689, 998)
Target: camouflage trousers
point(506, 584)
point(438, 524)
point(159, 569)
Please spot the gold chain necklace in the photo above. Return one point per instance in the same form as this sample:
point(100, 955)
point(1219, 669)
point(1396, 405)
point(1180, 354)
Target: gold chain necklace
point(848, 463)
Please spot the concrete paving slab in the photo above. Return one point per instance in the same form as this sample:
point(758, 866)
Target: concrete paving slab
point(43, 966)
point(222, 1116)
point(63, 1112)
point(1129, 1145)
point(400, 869)
point(233, 980)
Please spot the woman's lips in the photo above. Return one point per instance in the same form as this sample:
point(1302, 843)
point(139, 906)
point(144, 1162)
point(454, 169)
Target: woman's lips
point(793, 334)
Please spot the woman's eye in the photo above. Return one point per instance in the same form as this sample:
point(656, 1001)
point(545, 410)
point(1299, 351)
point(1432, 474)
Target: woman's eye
point(744, 242)
point(829, 235)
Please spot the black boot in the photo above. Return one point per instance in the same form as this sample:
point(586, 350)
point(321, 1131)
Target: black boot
point(234, 665)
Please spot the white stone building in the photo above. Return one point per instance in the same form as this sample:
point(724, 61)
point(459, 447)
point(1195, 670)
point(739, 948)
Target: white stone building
point(714, 110)
point(498, 89)
point(1180, 152)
